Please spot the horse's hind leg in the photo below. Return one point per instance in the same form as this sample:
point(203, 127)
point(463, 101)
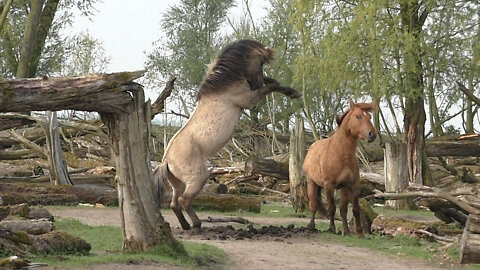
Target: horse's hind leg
point(346, 195)
point(320, 207)
point(312, 188)
point(178, 189)
point(191, 191)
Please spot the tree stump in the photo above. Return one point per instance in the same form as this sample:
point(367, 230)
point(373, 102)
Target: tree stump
point(470, 243)
point(298, 184)
point(396, 173)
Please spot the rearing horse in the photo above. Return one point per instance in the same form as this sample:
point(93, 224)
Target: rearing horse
point(234, 82)
point(332, 164)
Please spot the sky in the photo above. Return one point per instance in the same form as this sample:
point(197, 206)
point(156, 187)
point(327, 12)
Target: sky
point(128, 28)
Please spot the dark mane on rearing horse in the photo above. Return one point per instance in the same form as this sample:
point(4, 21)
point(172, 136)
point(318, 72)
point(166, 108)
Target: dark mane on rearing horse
point(230, 66)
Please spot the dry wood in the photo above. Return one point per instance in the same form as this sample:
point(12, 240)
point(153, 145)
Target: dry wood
point(442, 239)
point(396, 173)
point(224, 170)
point(242, 178)
point(28, 144)
point(298, 183)
point(30, 226)
point(227, 219)
point(159, 105)
point(464, 206)
point(470, 242)
point(102, 93)
point(453, 146)
point(267, 167)
point(463, 175)
point(8, 121)
point(226, 202)
point(17, 154)
point(263, 190)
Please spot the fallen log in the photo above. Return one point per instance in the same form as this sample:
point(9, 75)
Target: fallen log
point(464, 206)
point(263, 190)
point(470, 242)
point(8, 121)
point(17, 154)
point(242, 178)
point(267, 167)
point(226, 203)
point(460, 146)
point(30, 226)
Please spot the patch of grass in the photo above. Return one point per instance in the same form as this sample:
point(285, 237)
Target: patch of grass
point(402, 246)
point(106, 243)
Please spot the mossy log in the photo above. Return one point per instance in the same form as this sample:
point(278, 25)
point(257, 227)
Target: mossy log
point(30, 226)
point(45, 194)
point(267, 167)
point(226, 202)
point(470, 242)
point(407, 225)
point(59, 242)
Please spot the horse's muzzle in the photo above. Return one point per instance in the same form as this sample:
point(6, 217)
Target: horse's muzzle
point(371, 136)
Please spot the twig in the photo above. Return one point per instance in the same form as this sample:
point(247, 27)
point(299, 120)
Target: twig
point(227, 219)
point(243, 178)
point(437, 237)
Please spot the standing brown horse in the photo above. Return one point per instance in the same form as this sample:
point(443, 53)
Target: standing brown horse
point(234, 82)
point(332, 164)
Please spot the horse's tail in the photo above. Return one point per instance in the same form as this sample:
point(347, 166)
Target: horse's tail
point(164, 189)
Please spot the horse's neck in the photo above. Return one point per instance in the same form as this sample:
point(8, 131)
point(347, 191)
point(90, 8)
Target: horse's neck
point(344, 137)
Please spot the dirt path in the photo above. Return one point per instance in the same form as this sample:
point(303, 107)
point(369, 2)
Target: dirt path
point(294, 252)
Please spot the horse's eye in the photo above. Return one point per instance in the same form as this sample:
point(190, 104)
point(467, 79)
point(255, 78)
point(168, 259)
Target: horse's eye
point(359, 116)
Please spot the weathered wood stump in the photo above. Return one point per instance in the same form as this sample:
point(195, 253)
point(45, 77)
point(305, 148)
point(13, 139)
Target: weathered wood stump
point(470, 243)
point(396, 173)
point(267, 167)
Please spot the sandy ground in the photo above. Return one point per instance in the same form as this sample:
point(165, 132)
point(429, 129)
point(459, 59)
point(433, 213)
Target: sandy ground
point(295, 252)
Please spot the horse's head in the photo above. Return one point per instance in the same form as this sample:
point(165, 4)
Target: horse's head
point(242, 60)
point(258, 56)
point(358, 120)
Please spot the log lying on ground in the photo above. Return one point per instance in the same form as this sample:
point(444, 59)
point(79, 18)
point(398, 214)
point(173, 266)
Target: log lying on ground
point(45, 194)
point(461, 146)
point(470, 243)
point(226, 202)
point(429, 194)
point(8, 121)
point(267, 167)
point(30, 226)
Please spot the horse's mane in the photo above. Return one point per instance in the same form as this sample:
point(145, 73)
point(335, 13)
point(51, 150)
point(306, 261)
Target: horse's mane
point(230, 66)
point(363, 106)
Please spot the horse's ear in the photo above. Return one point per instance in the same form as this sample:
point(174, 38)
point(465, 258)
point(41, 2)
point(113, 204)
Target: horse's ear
point(351, 103)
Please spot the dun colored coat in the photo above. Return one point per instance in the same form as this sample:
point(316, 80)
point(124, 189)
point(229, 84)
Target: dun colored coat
point(234, 82)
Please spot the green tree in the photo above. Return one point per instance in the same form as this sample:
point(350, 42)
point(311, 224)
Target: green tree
point(192, 39)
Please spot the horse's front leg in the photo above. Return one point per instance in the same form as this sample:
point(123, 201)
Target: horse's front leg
point(330, 191)
point(272, 85)
point(346, 195)
point(312, 188)
point(356, 212)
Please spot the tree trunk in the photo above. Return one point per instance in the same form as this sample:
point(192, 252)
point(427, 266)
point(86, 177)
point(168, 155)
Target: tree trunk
point(298, 186)
point(396, 173)
point(3, 17)
point(143, 224)
point(58, 169)
point(470, 243)
point(414, 116)
point(29, 39)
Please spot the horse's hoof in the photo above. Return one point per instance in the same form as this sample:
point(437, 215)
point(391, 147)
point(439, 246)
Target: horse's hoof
point(186, 226)
point(196, 230)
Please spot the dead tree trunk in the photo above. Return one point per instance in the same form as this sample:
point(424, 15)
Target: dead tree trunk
point(396, 172)
point(142, 223)
point(298, 185)
point(121, 103)
point(267, 167)
point(58, 169)
point(470, 243)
